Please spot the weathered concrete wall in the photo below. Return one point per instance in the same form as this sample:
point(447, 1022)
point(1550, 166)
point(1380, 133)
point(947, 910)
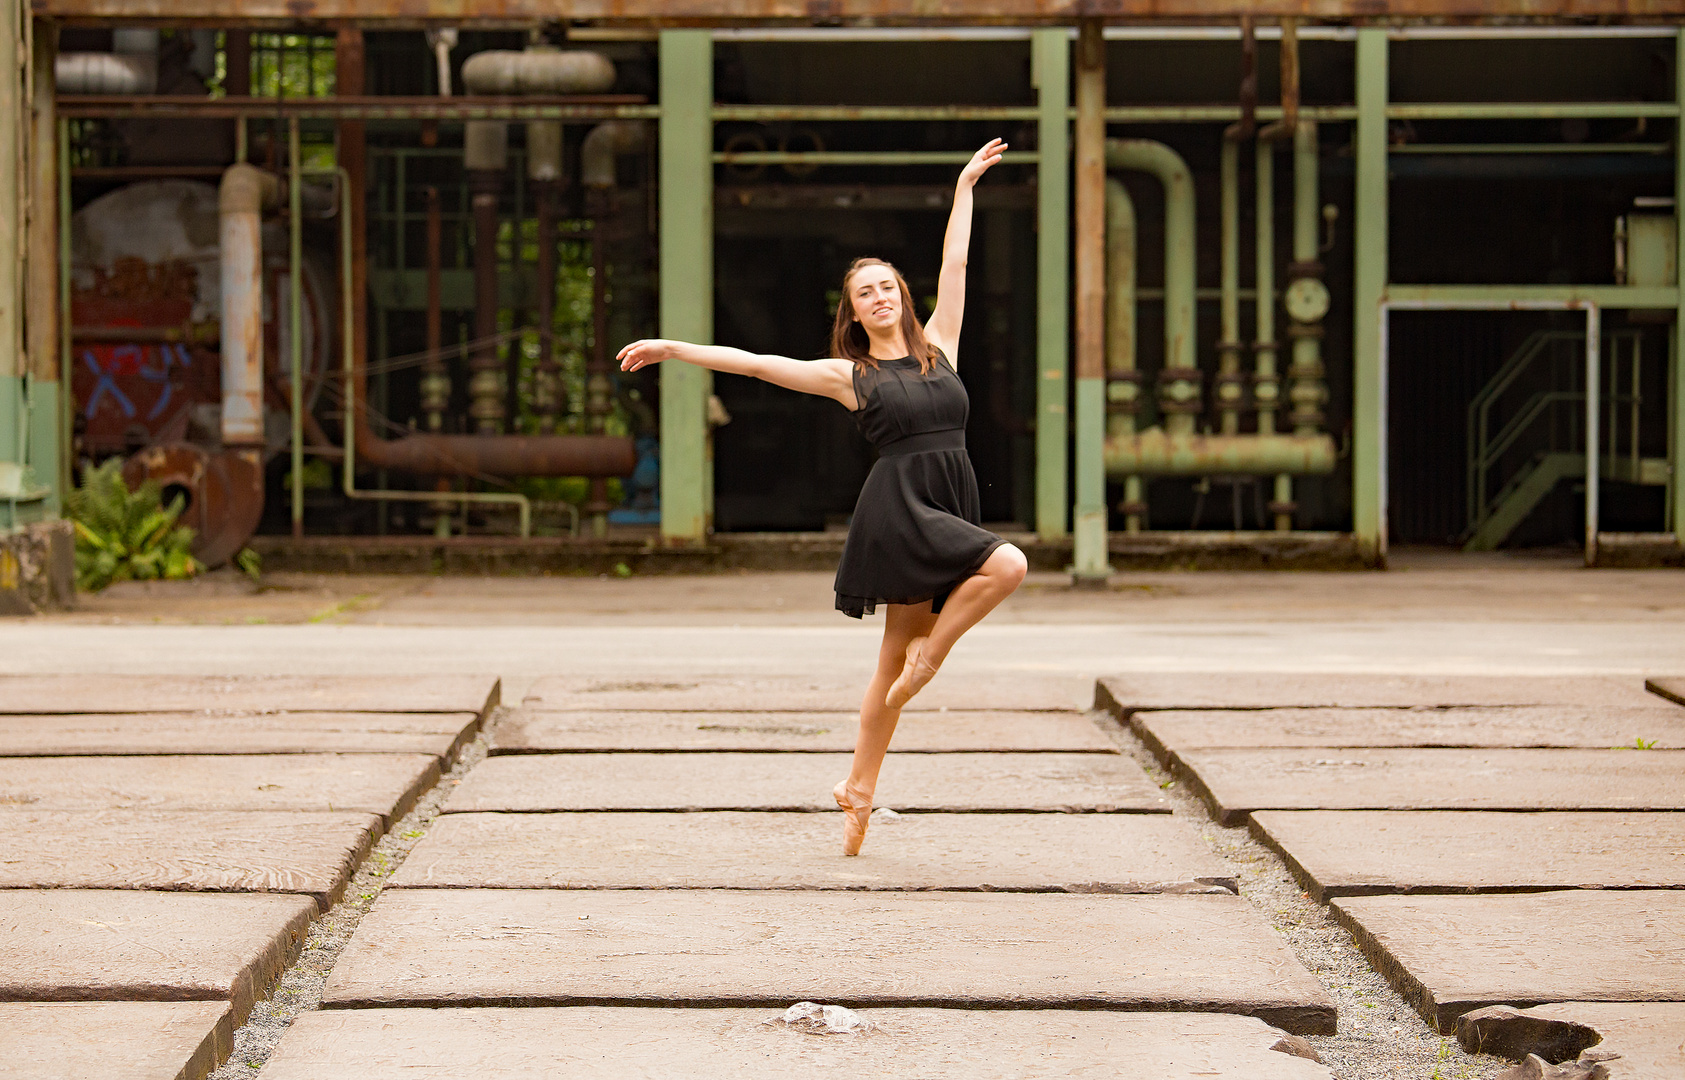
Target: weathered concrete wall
point(38, 569)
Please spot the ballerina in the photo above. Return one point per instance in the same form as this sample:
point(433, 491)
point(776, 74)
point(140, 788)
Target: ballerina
point(915, 543)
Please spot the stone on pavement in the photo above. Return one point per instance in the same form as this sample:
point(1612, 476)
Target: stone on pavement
point(1235, 781)
point(929, 1044)
point(1166, 733)
point(935, 732)
point(1649, 1036)
point(1126, 694)
point(202, 851)
point(1206, 953)
point(1447, 955)
point(1672, 688)
point(440, 734)
point(1074, 783)
point(383, 784)
point(728, 850)
point(104, 945)
point(813, 694)
point(92, 1040)
point(247, 693)
point(1362, 852)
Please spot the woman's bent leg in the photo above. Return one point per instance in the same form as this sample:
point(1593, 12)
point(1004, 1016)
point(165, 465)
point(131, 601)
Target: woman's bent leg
point(973, 598)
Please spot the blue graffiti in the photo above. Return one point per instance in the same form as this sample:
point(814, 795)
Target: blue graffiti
point(106, 384)
point(152, 367)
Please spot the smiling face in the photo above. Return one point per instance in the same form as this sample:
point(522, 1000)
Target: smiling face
point(876, 299)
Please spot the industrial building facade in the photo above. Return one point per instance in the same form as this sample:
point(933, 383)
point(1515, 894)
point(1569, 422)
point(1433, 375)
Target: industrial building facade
point(1362, 274)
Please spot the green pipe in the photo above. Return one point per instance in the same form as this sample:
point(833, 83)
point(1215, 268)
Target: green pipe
point(1228, 342)
point(1369, 240)
point(295, 315)
point(1050, 68)
point(862, 157)
point(1155, 452)
point(1530, 148)
point(1266, 389)
point(872, 113)
point(1308, 393)
point(1179, 382)
point(67, 397)
point(347, 330)
point(1676, 367)
point(1527, 110)
point(1123, 392)
point(1089, 515)
point(1520, 297)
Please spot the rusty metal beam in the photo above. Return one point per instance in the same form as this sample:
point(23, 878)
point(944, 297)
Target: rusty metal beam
point(395, 14)
point(584, 108)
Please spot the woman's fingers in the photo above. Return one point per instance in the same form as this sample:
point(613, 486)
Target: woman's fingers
point(637, 355)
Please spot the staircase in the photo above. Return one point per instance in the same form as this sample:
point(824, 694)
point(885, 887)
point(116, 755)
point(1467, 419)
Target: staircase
point(1526, 429)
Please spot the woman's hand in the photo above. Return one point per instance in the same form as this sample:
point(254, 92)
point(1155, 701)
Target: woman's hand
point(982, 161)
point(646, 351)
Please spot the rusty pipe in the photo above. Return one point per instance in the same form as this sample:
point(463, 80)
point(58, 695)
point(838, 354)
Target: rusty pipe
point(501, 455)
point(1248, 123)
point(1289, 122)
point(246, 190)
point(435, 386)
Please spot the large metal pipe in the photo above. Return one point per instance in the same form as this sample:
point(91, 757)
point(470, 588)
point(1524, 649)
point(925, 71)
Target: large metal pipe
point(537, 70)
point(246, 190)
point(603, 144)
point(1179, 379)
point(130, 68)
point(1155, 452)
point(1123, 379)
point(1308, 392)
point(1230, 384)
point(1089, 512)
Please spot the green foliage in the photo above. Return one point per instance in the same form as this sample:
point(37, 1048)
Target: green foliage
point(250, 564)
point(124, 535)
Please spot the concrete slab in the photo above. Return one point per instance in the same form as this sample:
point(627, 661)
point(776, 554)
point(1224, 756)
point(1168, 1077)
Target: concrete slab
point(1449, 954)
point(989, 852)
point(1363, 852)
point(1235, 781)
point(383, 784)
point(106, 945)
point(90, 1040)
point(669, 1044)
point(200, 851)
point(440, 734)
point(1649, 1036)
point(1585, 726)
point(1672, 688)
point(801, 694)
point(1070, 783)
point(1125, 694)
point(247, 693)
point(528, 732)
point(440, 947)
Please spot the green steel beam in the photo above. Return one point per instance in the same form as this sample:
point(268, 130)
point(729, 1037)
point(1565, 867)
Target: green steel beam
point(1521, 297)
point(295, 317)
point(1529, 110)
point(1676, 371)
point(862, 157)
point(1050, 65)
point(686, 277)
point(1089, 517)
point(1369, 511)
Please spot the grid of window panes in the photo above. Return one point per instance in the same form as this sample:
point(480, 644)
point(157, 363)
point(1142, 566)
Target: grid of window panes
point(292, 65)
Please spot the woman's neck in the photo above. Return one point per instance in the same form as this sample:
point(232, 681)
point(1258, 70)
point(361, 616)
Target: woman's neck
point(888, 347)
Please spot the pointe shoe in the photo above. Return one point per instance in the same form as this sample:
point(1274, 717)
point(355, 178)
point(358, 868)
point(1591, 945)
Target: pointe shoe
point(857, 812)
point(914, 676)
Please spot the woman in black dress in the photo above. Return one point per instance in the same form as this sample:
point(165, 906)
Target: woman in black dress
point(914, 544)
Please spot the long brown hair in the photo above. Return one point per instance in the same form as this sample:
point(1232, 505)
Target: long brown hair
point(848, 338)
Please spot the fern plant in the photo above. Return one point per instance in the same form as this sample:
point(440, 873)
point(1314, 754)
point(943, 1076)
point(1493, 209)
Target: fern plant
point(124, 535)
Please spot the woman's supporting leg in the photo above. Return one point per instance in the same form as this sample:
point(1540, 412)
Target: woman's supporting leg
point(973, 598)
point(902, 623)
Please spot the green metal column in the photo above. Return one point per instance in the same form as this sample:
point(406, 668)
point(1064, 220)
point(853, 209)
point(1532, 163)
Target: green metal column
point(687, 276)
point(1676, 376)
point(1369, 512)
point(14, 396)
point(41, 309)
point(1050, 66)
point(1089, 540)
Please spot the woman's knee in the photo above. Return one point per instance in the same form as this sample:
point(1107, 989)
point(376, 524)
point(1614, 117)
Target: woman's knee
point(1010, 564)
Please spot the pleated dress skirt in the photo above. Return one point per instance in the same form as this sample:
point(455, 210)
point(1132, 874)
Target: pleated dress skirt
point(916, 531)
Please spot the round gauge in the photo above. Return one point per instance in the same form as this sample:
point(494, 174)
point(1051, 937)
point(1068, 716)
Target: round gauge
point(1306, 300)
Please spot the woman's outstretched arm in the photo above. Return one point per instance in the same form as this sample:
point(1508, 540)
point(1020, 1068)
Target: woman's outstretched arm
point(943, 329)
point(831, 378)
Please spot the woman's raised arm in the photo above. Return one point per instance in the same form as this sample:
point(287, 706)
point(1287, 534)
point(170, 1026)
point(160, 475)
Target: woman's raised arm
point(830, 378)
point(943, 329)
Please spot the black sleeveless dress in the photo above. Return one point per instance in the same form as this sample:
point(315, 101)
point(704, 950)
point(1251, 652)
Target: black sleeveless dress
point(915, 532)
